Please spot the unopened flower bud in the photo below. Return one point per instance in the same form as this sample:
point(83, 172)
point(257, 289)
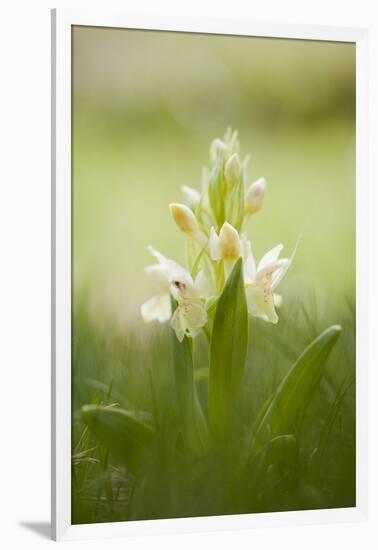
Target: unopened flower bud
point(232, 171)
point(255, 196)
point(218, 149)
point(187, 222)
point(191, 196)
point(184, 218)
point(229, 242)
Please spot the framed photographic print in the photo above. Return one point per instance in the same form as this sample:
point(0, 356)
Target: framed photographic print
point(210, 360)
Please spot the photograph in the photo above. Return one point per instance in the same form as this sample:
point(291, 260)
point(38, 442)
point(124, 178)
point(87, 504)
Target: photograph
point(213, 231)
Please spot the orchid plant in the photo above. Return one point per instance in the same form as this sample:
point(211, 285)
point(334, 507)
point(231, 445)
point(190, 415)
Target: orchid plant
point(215, 294)
point(213, 221)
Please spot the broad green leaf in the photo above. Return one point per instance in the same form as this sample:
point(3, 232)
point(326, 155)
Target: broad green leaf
point(119, 430)
point(227, 353)
point(297, 388)
point(191, 419)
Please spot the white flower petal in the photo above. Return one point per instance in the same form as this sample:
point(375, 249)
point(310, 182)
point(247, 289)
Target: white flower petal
point(261, 304)
point(188, 319)
point(280, 273)
point(249, 264)
point(160, 258)
point(182, 292)
point(181, 284)
point(191, 196)
point(202, 286)
point(270, 256)
point(178, 273)
point(159, 275)
point(167, 272)
point(266, 275)
point(177, 326)
point(157, 308)
point(196, 318)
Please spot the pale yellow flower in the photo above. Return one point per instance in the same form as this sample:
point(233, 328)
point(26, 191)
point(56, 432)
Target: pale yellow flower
point(261, 281)
point(226, 246)
point(171, 279)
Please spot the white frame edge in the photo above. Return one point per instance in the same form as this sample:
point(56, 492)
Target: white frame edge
point(62, 21)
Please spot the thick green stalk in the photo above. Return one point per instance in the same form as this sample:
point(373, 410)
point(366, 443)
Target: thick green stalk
point(191, 423)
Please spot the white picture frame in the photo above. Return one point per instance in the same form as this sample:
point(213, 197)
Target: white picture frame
point(62, 22)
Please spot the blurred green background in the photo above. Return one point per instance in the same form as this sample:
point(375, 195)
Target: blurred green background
point(146, 106)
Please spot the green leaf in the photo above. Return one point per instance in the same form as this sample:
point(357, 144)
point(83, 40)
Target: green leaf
point(120, 431)
point(227, 354)
point(189, 410)
point(297, 388)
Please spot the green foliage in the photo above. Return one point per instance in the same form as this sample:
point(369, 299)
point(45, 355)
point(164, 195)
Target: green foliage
point(296, 389)
point(140, 440)
point(120, 431)
point(148, 464)
point(227, 354)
